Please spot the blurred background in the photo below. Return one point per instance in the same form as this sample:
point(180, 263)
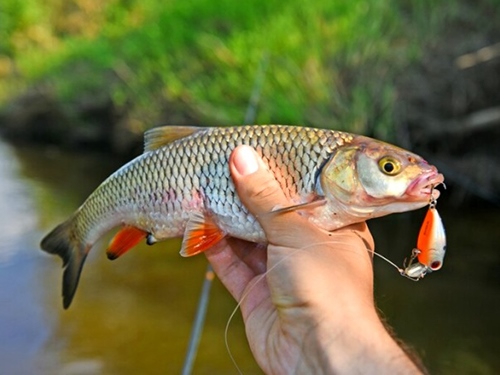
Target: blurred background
point(81, 80)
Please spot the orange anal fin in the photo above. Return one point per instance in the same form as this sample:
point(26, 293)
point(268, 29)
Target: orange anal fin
point(124, 240)
point(200, 235)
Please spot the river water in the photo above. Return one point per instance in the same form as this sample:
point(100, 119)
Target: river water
point(134, 315)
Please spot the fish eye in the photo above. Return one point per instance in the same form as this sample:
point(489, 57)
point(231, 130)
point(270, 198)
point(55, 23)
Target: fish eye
point(389, 165)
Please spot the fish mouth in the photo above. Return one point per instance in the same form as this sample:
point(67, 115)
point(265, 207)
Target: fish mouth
point(424, 186)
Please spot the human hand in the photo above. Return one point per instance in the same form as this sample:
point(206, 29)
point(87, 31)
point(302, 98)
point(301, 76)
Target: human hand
point(313, 311)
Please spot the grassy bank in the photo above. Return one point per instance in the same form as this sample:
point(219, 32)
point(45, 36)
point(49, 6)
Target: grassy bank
point(330, 64)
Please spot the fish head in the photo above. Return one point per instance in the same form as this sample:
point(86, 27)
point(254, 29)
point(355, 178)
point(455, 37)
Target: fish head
point(371, 178)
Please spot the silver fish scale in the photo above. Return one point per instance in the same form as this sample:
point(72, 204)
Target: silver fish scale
point(162, 189)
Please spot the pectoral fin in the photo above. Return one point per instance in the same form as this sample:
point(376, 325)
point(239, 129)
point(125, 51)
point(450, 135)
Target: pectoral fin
point(200, 235)
point(124, 240)
point(300, 207)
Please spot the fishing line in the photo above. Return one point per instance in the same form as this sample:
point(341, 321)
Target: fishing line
point(201, 310)
point(400, 270)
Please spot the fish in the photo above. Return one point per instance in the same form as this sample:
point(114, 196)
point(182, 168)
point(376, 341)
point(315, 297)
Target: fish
point(181, 187)
point(431, 246)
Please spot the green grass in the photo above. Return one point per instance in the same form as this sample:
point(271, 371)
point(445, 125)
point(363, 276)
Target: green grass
point(330, 64)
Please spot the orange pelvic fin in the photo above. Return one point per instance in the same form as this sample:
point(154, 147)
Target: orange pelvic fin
point(200, 235)
point(124, 240)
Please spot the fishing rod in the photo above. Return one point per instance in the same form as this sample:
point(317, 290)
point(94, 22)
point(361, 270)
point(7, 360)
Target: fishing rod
point(201, 310)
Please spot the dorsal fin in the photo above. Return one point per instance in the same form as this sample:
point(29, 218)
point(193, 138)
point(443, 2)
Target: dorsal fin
point(158, 137)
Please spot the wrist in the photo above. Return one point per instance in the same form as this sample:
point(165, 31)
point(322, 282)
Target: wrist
point(360, 344)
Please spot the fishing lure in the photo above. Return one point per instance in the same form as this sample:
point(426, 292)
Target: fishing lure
point(429, 254)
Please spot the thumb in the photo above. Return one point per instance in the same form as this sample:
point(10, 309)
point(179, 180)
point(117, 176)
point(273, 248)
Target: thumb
point(261, 193)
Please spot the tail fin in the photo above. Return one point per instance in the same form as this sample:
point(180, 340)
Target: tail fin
point(61, 242)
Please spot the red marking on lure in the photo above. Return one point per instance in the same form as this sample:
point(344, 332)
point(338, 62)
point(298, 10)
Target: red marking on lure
point(124, 240)
point(436, 265)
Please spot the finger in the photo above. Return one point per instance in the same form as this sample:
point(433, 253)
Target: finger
point(252, 254)
point(260, 192)
point(229, 268)
point(236, 263)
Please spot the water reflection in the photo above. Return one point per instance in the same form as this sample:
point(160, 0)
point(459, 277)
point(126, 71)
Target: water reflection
point(134, 315)
point(24, 324)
